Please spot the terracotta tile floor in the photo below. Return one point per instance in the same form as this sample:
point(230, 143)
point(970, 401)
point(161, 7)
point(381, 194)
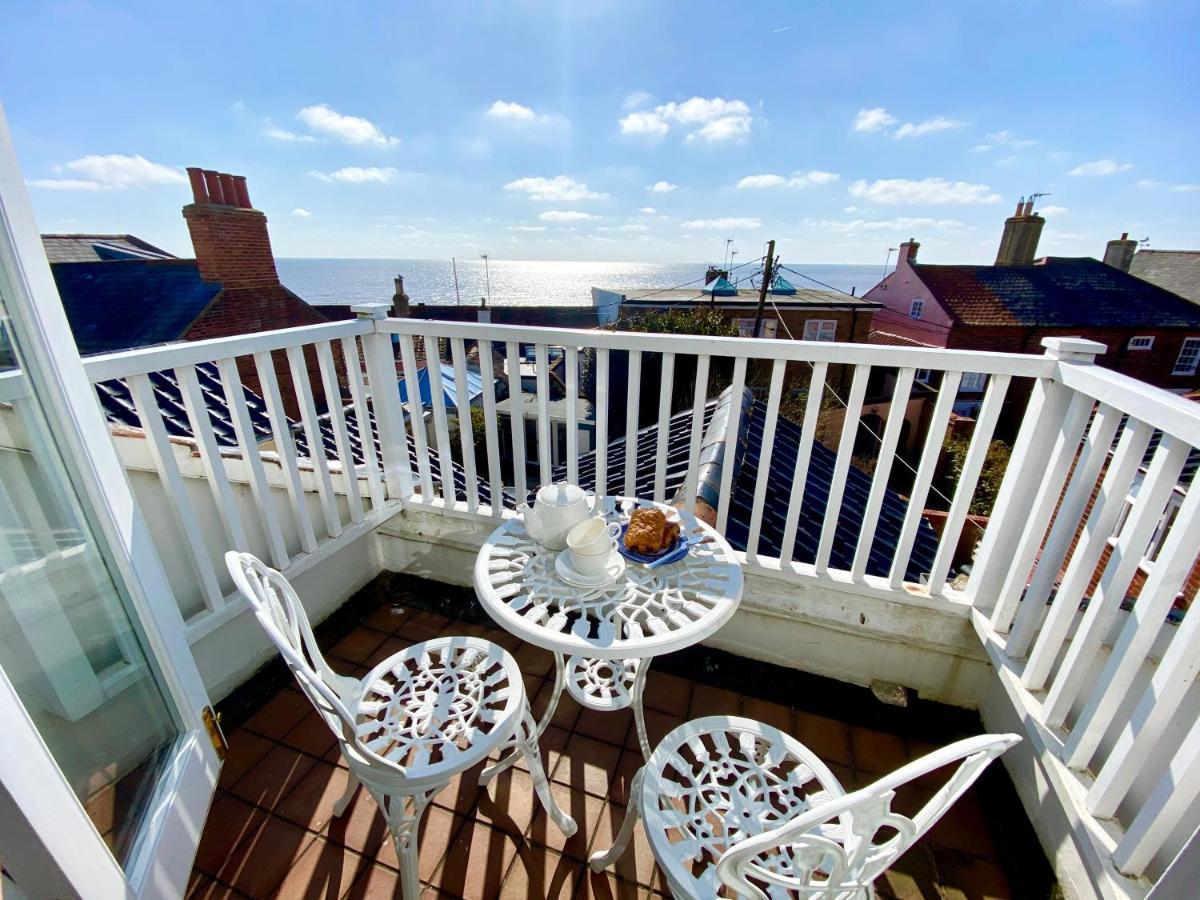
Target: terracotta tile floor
point(271, 833)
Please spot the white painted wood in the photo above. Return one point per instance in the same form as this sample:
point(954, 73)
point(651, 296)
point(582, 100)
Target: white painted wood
point(1168, 412)
point(159, 443)
point(210, 456)
point(285, 447)
point(1101, 521)
point(1067, 519)
point(1133, 646)
point(666, 385)
point(1135, 536)
point(837, 485)
point(572, 364)
point(415, 415)
point(389, 415)
point(358, 396)
point(316, 446)
point(260, 488)
point(883, 470)
point(633, 399)
point(914, 512)
point(601, 421)
point(1067, 435)
point(491, 426)
point(774, 393)
point(341, 436)
point(699, 404)
point(729, 455)
point(517, 418)
point(545, 458)
point(808, 430)
point(466, 435)
point(441, 425)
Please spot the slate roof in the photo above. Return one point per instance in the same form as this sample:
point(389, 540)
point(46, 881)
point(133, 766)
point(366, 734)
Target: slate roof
point(449, 386)
point(1056, 292)
point(778, 493)
point(133, 303)
point(63, 248)
point(1175, 270)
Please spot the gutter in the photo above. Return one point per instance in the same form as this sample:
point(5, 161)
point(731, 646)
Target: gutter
point(712, 453)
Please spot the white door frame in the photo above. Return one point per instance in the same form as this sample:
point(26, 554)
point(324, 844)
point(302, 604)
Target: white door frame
point(55, 850)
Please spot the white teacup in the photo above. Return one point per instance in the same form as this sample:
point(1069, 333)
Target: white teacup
point(591, 544)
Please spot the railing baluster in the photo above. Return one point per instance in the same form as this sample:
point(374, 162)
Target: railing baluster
point(341, 436)
point(633, 400)
point(490, 426)
point(837, 485)
point(808, 431)
point(142, 392)
point(1135, 536)
point(210, 456)
point(362, 417)
point(1106, 511)
point(260, 487)
point(466, 429)
point(968, 479)
point(516, 418)
point(729, 456)
point(601, 413)
point(766, 452)
point(316, 443)
point(264, 364)
point(572, 364)
point(441, 426)
point(666, 385)
point(416, 414)
point(699, 405)
point(883, 470)
point(1066, 523)
point(545, 460)
point(389, 416)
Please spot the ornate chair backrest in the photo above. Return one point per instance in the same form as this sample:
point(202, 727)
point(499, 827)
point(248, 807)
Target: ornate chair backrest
point(282, 616)
point(839, 848)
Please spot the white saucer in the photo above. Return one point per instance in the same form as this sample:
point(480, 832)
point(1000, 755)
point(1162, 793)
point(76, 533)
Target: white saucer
point(567, 572)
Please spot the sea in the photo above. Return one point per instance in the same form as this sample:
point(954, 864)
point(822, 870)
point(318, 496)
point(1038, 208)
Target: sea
point(526, 282)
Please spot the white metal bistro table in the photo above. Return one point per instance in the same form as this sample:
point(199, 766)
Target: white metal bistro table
point(604, 638)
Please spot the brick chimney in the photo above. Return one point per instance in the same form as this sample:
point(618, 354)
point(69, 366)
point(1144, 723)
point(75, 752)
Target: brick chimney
point(1119, 253)
point(1022, 231)
point(228, 235)
point(908, 252)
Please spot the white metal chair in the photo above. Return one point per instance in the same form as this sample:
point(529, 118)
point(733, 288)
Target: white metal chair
point(413, 722)
point(736, 808)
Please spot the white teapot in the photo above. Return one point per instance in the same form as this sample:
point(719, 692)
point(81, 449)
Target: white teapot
point(556, 509)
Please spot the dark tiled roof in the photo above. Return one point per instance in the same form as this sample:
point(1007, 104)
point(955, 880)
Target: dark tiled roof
point(779, 483)
point(62, 248)
point(1175, 270)
point(1056, 292)
point(118, 305)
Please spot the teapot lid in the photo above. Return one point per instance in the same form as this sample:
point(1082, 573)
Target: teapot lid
point(561, 494)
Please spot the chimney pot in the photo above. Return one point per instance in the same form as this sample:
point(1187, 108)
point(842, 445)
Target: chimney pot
point(1119, 253)
point(228, 191)
point(243, 195)
point(1124, 235)
point(1020, 206)
point(199, 191)
point(213, 182)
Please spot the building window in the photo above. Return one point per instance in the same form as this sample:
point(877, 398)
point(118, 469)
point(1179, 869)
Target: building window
point(973, 382)
point(923, 375)
point(1142, 342)
point(820, 330)
point(769, 328)
point(918, 307)
point(1189, 356)
point(745, 327)
point(766, 329)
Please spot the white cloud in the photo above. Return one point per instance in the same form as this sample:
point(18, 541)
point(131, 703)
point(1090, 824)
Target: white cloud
point(1053, 211)
point(926, 190)
point(636, 100)
point(929, 126)
point(981, 148)
point(565, 215)
point(1100, 167)
point(874, 119)
point(712, 119)
point(114, 171)
point(1173, 187)
point(647, 210)
point(898, 224)
point(662, 187)
point(352, 130)
point(301, 213)
point(725, 222)
point(524, 120)
point(1009, 139)
point(798, 180)
point(505, 111)
point(526, 227)
point(359, 175)
point(558, 189)
point(281, 134)
point(64, 184)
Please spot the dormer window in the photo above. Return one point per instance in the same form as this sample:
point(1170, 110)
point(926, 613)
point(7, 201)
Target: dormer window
point(918, 307)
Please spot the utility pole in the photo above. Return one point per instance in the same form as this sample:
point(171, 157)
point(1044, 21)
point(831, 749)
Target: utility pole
point(487, 273)
point(457, 298)
point(768, 264)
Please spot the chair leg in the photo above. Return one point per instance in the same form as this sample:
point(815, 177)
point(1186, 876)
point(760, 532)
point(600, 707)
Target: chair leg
point(602, 859)
point(403, 814)
point(344, 801)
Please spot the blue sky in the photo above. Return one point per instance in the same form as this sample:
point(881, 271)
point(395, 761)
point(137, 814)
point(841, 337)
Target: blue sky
point(615, 129)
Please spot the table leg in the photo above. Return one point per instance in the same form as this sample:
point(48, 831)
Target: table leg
point(639, 716)
point(515, 753)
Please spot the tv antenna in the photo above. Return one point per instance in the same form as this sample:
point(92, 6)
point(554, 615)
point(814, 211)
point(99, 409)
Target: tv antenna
point(488, 275)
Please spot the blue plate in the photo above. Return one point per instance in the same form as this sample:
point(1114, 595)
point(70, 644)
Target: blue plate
point(674, 553)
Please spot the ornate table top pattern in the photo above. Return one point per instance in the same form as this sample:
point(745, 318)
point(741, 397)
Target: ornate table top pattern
point(645, 612)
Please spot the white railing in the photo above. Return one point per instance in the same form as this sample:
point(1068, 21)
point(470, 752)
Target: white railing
point(1106, 693)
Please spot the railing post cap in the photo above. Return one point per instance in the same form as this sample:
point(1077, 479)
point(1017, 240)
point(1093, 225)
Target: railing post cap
point(1073, 349)
point(371, 310)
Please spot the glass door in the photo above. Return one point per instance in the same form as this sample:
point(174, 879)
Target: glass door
point(107, 761)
